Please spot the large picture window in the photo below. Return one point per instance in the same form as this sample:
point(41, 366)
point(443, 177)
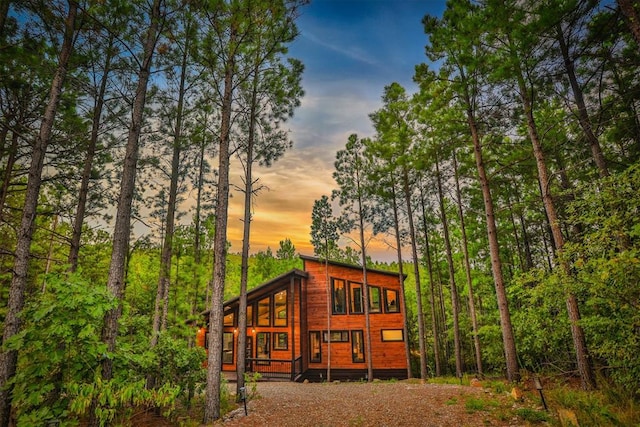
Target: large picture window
point(264, 312)
point(315, 347)
point(374, 299)
point(339, 296)
point(227, 347)
point(391, 301)
point(357, 347)
point(280, 308)
point(355, 298)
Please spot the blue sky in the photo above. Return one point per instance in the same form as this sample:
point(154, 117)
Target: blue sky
point(351, 50)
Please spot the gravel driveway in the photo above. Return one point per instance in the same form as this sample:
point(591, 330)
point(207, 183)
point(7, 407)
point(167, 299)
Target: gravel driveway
point(402, 403)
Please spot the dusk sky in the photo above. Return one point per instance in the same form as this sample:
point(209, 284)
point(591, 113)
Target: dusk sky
point(351, 50)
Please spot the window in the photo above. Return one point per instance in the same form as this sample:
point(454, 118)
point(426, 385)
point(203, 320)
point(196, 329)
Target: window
point(336, 336)
point(374, 299)
point(228, 319)
point(280, 308)
point(339, 297)
point(356, 298)
point(392, 335)
point(263, 345)
point(280, 341)
point(250, 315)
point(227, 347)
point(357, 347)
point(391, 301)
point(315, 348)
point(264, 312)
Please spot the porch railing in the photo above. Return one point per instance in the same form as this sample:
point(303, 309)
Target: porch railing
point(284, 369)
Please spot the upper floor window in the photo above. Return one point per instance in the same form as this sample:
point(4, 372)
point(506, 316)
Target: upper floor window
point(229, 319)
point(250, 315)
point(374, 299)
point(339, 296)
point(391, 301)
point(355, 298)
point(280, 308)
point(264, 312)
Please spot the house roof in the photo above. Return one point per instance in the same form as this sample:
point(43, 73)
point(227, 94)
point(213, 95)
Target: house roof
point(357, 267)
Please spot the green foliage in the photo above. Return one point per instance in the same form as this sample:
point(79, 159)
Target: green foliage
point(116, 400)
point(606, 260)
point(59, 347)
point(251, 384)
point(592, 409)
point(179, 365)
point(532, 415)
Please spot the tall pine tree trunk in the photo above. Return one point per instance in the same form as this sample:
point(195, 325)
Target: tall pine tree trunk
point(508, 339)
point(8, 172)
point(83, 193)
point(405, 326)
point(583, 116)
point(416, 272)
point(12, 321)
point(467, 270)
point(437, 357)
point(455, 303)
point(632, 17)
point(246, 237)
point(583, 359)
point(214, 360)
point(121, 233)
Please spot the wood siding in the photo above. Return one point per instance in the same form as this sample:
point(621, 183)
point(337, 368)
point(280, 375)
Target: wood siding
point(387, 355)
point(307, 310)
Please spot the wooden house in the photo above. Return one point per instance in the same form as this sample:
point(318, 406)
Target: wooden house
point(291, 335)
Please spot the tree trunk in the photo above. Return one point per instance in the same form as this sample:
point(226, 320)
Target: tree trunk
point(508, 340)
point(197, 245)
point(121, 234)
point(416, 272)
point(246, 237)
point(12, 321)
point(467, 270)
point(632, 18)
point(585, 368)
point(432, 294)
point(4, 12)
point(583, 116)
point(8, 171)
point(164, 280)
point(405, 327)
point(455, 303)
point(78, 221)
point(365, 290)
point(214, 360)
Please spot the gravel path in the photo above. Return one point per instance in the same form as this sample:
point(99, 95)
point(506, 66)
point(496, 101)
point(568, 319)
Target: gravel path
point(401, 403)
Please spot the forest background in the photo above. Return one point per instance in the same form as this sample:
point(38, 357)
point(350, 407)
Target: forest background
point(510, 178)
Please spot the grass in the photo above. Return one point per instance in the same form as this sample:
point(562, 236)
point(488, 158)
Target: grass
point(596, 408)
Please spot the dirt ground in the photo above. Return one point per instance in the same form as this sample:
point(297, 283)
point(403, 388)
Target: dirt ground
point(402, 403)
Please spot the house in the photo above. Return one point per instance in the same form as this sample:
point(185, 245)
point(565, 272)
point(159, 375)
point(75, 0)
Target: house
point(289, 335)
